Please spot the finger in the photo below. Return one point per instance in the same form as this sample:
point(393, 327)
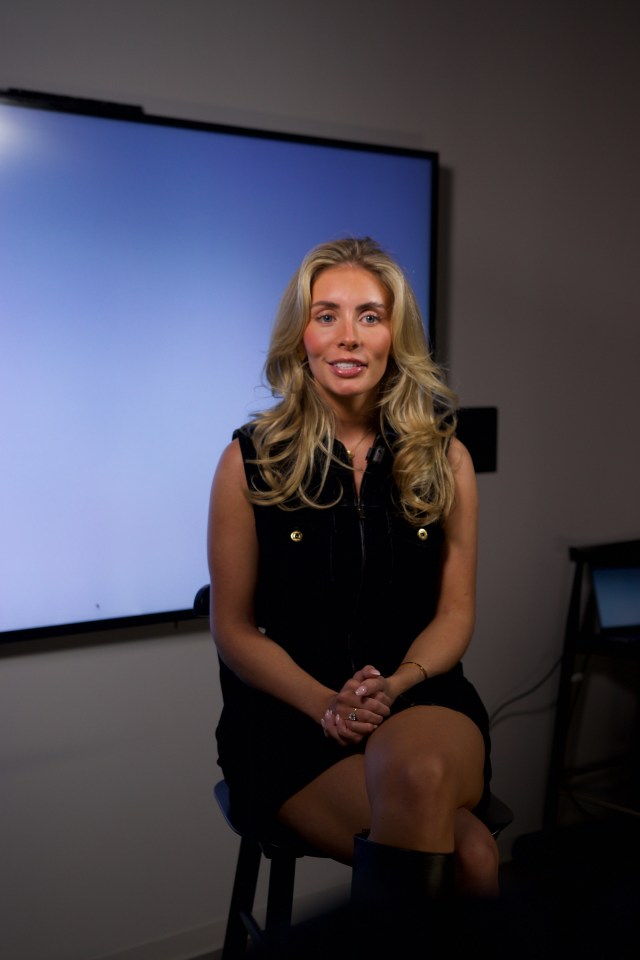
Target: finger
point(371, 671)
point(373, 705)
point(372, 680)
point(328, 722)
point(367, 672)
point(370, 718)
point(346, 731)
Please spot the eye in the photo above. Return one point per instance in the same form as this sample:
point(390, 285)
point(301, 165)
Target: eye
point(325, 318)
point(369, 319)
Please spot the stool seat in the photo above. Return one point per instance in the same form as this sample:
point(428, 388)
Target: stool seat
point(282, 851)
point(272, 846)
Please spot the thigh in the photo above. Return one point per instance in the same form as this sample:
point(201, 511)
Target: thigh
point(335, 805)
point(332, 808)
point(428, 744)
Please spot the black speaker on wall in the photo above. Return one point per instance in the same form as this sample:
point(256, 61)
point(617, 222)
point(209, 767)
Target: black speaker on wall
point(478, 430)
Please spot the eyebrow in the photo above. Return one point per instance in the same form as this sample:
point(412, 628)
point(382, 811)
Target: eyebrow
point(370, 305)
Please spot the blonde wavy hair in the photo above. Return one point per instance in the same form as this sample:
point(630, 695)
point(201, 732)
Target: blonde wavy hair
point(294, 438)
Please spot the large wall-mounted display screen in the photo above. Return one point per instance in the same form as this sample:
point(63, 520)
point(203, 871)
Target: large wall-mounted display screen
point(141, 263)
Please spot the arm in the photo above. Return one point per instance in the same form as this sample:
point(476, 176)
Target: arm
point(444, 641)
point(233, 568)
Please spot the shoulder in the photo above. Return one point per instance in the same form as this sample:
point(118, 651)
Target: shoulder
point(229, 509)
point(230, 471)
point(464, 474)
point(459, 457)
point(231, 529)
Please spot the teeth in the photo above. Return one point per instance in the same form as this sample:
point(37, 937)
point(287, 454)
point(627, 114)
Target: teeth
point(347, 366)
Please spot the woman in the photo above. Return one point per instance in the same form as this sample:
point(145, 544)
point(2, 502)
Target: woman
point(342, 551)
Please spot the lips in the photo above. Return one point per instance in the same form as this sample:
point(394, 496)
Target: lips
point(347, 364)
point(347, 369)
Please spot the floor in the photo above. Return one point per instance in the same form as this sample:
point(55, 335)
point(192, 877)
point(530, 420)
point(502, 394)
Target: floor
point(576, 892)
point(571, 894)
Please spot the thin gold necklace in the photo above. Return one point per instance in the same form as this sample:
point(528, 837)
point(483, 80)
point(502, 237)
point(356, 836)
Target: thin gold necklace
point(351, 453)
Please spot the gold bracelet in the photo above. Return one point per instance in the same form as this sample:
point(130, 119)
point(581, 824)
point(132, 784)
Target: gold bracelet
point(415, 663)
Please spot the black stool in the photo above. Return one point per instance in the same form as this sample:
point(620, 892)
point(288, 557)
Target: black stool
point(283, 854)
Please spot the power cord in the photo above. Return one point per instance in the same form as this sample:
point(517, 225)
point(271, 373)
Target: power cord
point(493, 717)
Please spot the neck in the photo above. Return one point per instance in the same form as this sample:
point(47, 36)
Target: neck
point(351, 420)
point(356, 425)
point(353, 429)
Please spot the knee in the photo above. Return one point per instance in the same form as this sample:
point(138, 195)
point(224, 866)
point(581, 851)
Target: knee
point(477, 865)
point(418, 780)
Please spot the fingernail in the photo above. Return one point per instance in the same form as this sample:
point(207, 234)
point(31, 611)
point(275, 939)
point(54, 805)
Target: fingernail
point(360, 692)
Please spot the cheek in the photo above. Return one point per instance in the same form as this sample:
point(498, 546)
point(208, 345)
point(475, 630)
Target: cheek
point(311, 342)
point(383, 347)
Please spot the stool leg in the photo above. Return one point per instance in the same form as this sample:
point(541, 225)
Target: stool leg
point(242, 897)
point(280, 900)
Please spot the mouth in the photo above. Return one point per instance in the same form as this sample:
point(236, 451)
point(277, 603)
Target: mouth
point(347, 366)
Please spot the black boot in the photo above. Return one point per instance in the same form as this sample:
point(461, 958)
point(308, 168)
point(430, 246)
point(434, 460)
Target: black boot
point(398, 896)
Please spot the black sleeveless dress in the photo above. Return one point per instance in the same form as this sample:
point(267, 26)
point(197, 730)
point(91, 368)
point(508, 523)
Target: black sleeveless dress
point(337, 588)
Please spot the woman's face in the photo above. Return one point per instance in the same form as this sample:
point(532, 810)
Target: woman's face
point(348, 337)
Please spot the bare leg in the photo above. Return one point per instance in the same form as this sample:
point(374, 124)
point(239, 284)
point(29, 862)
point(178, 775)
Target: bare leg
point(420, 797)
point(421, 766)
point(477, 857)
point(331, 809)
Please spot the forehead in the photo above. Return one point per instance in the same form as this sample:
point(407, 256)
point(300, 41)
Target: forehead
point(347, 281)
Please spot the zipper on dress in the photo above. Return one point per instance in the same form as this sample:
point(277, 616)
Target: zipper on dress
point(360, 512)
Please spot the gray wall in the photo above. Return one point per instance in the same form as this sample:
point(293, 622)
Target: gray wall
point(111, 844)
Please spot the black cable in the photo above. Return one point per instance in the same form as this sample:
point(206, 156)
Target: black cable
point(526, 693)
point(522, 713)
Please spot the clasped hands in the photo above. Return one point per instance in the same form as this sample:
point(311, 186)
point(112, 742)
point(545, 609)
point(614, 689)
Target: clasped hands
point(359, 708)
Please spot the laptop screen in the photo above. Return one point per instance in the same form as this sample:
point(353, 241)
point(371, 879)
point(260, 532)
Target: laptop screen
point(617, 596)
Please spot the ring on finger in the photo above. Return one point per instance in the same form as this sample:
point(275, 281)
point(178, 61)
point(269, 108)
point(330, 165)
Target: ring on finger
point(353, 714)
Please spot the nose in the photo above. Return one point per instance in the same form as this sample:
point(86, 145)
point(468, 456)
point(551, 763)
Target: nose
point(347, 334)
